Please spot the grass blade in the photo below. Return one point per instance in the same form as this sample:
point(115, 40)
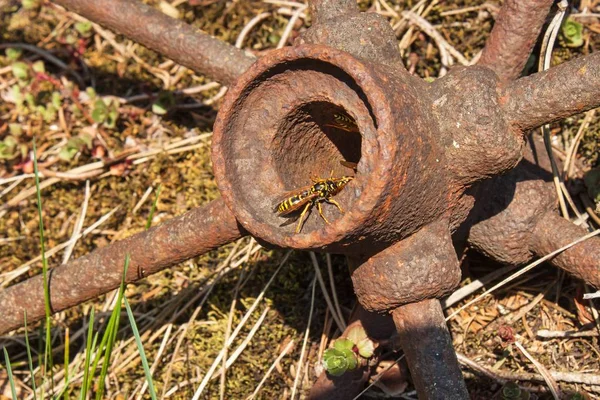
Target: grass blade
point(11, 379)
point(89, 348)
point(153, 209)
point(29, 358)
point(48, 347)
point(66, 365)
point(111, 332)
point(140, 346)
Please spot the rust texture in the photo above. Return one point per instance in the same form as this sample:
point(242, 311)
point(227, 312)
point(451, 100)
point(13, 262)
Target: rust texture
point(367, 36)
point(515, 31)
point(189, 235)
point(567, 89)
point(474, 133)
point(582, 260)
point(428, 158)
point(174, 39)
point(323, 10)
point(423, 266)
point(269, 140)
point(516, 219)
point(427, 344)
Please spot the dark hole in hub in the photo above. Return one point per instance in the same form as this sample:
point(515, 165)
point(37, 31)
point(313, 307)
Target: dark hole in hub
point(311, 142)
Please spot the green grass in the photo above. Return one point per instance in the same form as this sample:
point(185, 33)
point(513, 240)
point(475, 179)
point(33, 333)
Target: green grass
point(140, 346)
point(11, 379)
point(47, 363)
point(103, 351)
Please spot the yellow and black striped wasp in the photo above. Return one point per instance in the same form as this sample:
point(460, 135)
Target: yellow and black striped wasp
point(322, 190)
point(343, 122)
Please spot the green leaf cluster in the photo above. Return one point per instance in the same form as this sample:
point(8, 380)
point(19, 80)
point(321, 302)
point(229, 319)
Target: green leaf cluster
point(572, 33)
point(346, 350)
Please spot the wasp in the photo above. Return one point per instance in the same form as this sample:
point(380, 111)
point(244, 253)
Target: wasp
point(344, 122)
point(322, 190)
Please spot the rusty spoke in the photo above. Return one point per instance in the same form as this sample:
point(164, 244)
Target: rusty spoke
point(172, 38)
point(189, 235)
point(562, 91)
point(514, 34)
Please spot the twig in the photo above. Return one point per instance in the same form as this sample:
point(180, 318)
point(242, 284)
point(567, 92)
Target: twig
point(12, 275)
point(213, 367)
point(337, 318)
point(474, 286)
point(78, 224)
point(239, 327)
point(290, 26)
point(251, 24)
point(306, 333)
point(550, 381)
point(568, 165)
point(271, 368)
point(524, 270)
point(504, 376)
point(142, 200)
point(546, 334)
point(544, 64)
point(426, 27)
point(378, 377)
point(333, 289)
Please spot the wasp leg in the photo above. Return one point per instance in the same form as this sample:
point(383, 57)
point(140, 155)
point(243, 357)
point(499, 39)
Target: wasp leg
point(335, 203)
point(321, 212)
point(300, 223)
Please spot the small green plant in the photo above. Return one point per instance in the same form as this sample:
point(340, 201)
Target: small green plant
point(84, 28)
point(512, 391)
point(75, 145)
point(31, 4)
point(347, 352)
point(340, 358)
point(8, 148)
point(20, 70)
point(162, 104)
point(13, 54)
point(364, 346)
point(105, 112)
point(572, 33)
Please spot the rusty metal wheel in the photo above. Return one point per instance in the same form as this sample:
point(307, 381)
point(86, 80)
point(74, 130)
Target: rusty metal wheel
point(439, 166)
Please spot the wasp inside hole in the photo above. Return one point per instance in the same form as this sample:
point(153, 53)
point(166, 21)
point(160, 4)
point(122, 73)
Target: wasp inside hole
point(344, 122)
point(322, 190)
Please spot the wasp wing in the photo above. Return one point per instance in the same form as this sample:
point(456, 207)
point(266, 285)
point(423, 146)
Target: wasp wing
point(296, 198)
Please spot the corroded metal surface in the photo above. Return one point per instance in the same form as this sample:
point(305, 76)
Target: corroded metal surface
point(562, 91)
point(423, 266)
point(422, 153)
point(175, 39)
point(427, 344)
point(476, 138)
point(516, 218)
point(582, 260)
point(514, 34)
point(367, 36)
point(269, 140)
point(508, 207)
point(181, 238)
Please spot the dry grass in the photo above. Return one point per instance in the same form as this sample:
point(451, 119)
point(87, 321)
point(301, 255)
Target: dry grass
point(184, 313)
